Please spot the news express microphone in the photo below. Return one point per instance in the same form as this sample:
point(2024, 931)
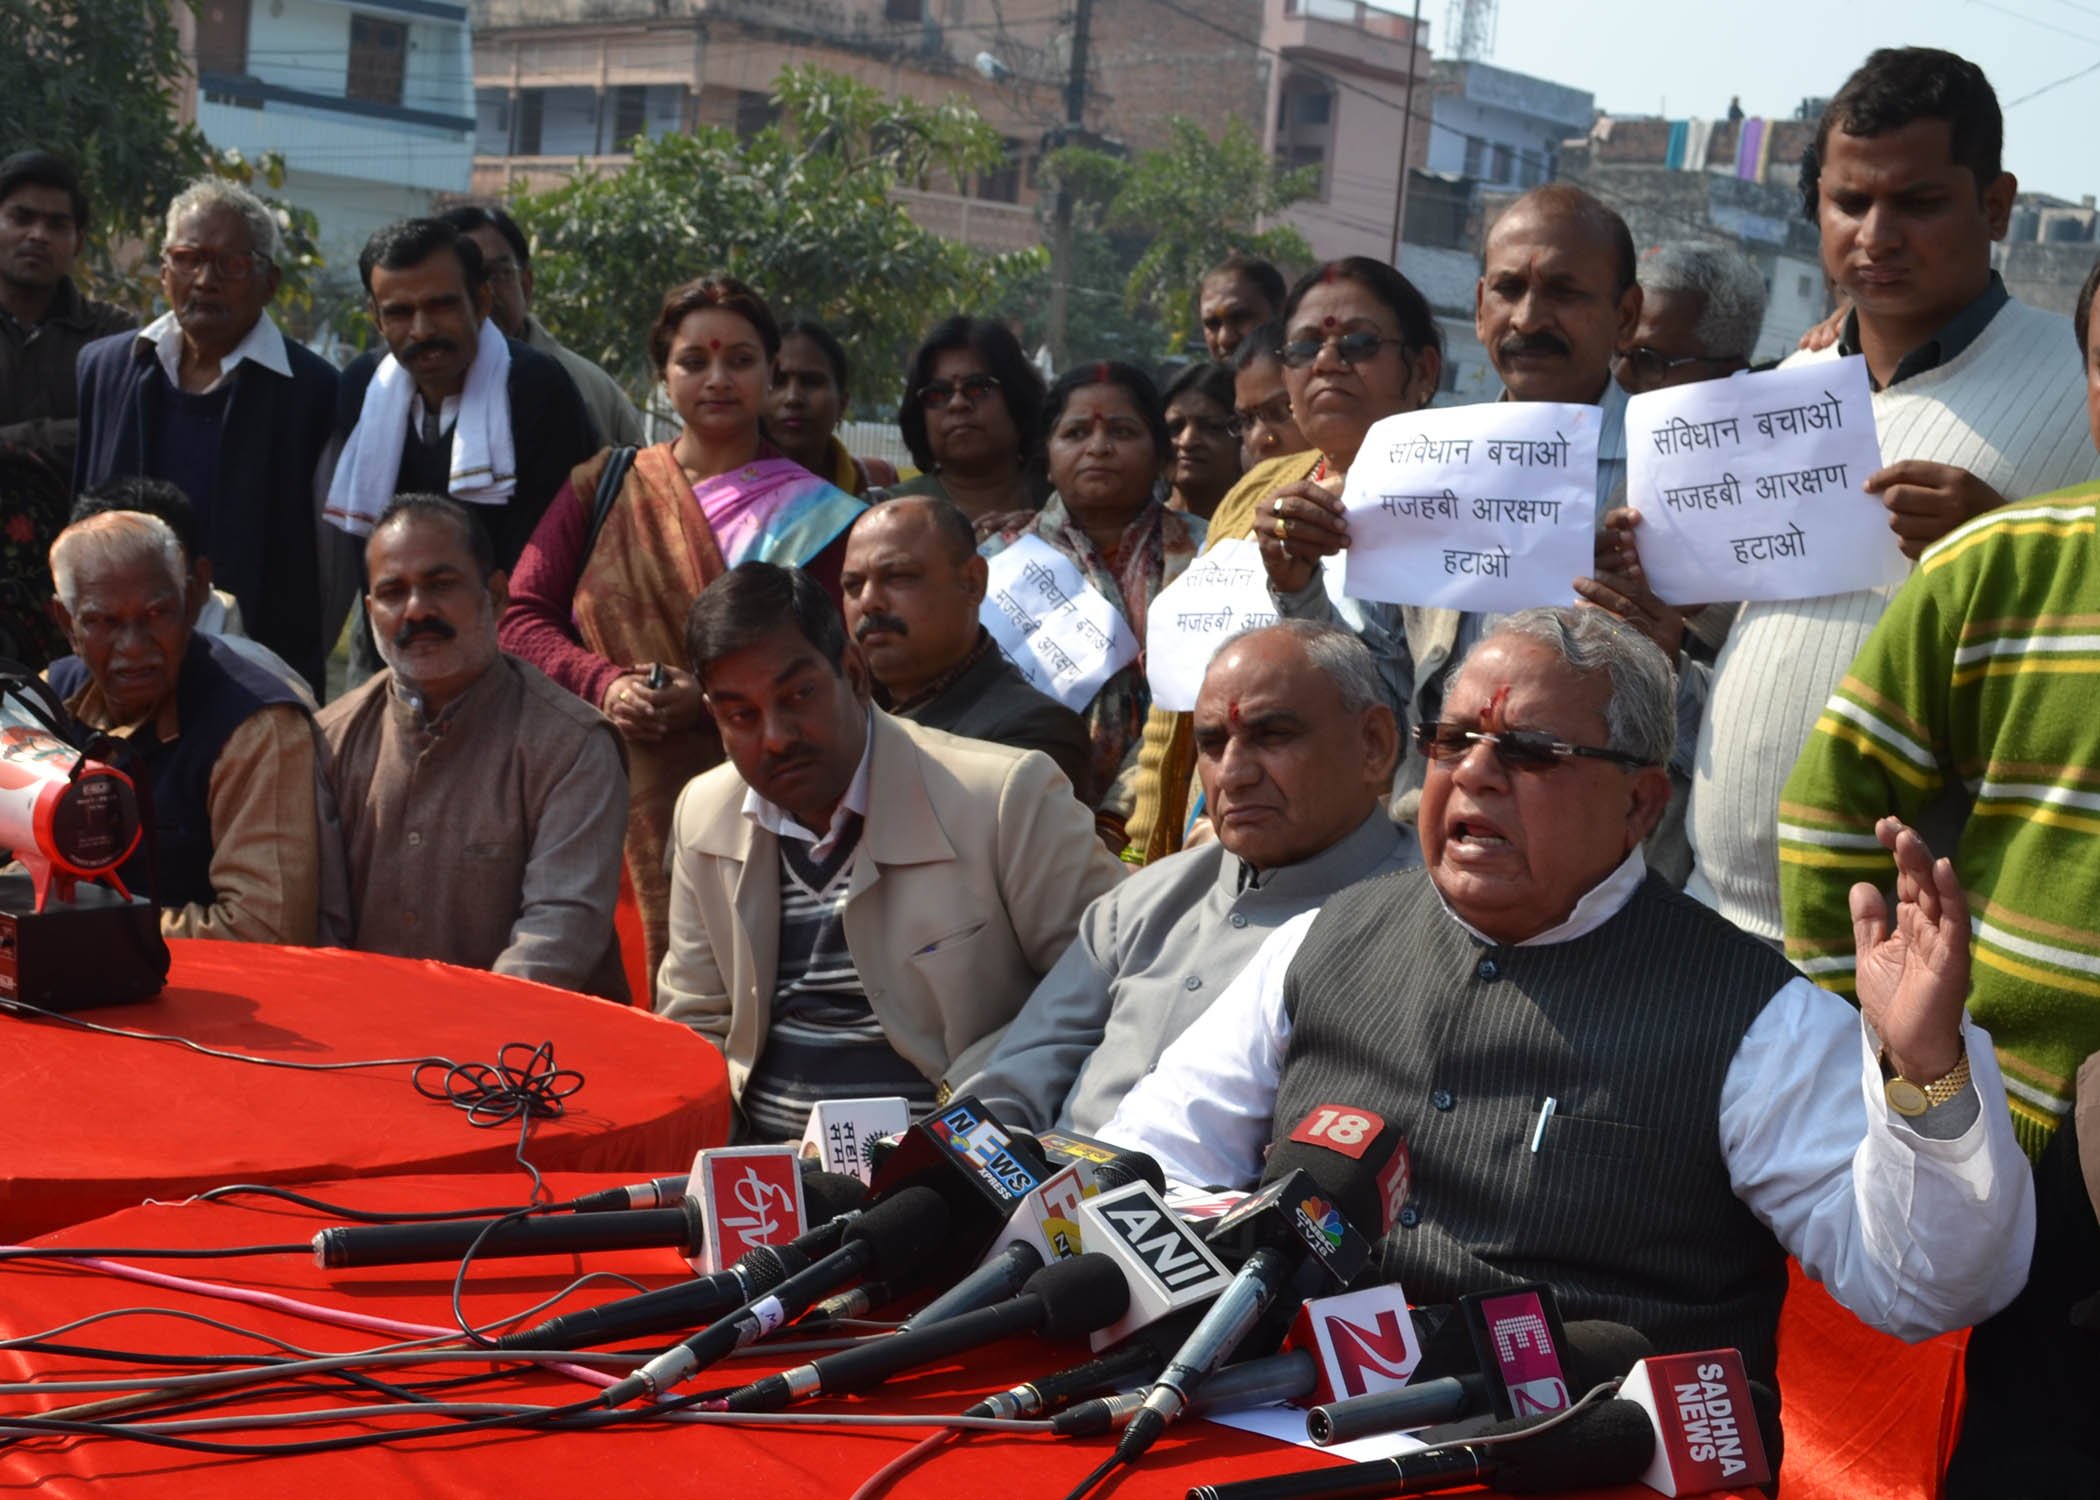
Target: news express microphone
point(884, 1241)
point(1339, 1165)
point(1060, 1301)
point(1710, 1421)
point(831, 1199)
point(980, 1169)
point(1043, 1227)
point(1590, 1352)
point(1607, 1443)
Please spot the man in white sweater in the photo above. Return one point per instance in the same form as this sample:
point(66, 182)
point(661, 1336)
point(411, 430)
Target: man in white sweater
point(1978, 400)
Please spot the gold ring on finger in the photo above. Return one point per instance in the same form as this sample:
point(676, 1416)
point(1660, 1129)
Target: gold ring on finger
point(1283, 529)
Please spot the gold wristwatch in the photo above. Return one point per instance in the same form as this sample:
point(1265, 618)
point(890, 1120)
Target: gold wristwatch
point(1912, 1099)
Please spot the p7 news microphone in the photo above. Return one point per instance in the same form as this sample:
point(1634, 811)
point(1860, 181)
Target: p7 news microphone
point(1336, 1170)
point(831, 1197)
point(890, 1237)
point(1060, 1301)
point(1605, 1443)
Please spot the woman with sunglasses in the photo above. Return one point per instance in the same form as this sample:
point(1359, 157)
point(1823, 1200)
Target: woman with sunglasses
point(1359, 344)
point(1107, 445)
point(1206, 453)
point(972, 418)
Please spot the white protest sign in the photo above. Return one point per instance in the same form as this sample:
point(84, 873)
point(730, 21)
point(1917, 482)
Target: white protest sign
point(1749, 487)
point(1223, 592)
point(1060, 630)
point(1474, 507)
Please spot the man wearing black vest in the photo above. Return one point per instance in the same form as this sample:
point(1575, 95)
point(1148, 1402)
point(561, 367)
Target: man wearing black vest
point(1602, 1084)
point(451, 408)
point(225, 746)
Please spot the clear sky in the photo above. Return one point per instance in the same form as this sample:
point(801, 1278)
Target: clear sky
point(1685, 57)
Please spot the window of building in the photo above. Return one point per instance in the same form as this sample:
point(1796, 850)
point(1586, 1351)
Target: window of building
point(378, 59)
point(1311, 107)
point(754, 112)
point(1308, 156)
point(222, 36)
point(532, 112)
point(904, 10)
point(1505, 161)
point(1003, 183)
point(630, 115)
point(1476, 155)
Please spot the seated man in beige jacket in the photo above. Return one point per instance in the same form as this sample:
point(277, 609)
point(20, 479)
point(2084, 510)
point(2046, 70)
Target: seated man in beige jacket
point(858, 904)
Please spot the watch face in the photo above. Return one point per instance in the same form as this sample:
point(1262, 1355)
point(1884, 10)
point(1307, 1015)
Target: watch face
point(1905, 1097)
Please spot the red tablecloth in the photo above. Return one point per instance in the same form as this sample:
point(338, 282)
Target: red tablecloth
point(92, 1123)
point(647, 1460)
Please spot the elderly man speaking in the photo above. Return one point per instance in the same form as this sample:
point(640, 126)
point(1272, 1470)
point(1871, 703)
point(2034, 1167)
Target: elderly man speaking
point(1602, 1084)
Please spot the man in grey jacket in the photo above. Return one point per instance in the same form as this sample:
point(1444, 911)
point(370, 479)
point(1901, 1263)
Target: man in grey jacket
point(1295, 746)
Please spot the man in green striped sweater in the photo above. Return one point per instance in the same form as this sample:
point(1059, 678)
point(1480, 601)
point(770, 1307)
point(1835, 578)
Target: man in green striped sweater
point(1977, 683)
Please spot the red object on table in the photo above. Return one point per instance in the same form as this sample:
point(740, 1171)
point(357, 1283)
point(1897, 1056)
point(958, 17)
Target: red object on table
point(647, 1459)
point(92, 1123)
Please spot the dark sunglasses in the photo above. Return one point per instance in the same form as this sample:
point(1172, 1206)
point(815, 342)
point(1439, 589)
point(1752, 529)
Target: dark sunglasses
point(974, 388)
point(1653, 362)
point(1517, 749)
point(1350, 348)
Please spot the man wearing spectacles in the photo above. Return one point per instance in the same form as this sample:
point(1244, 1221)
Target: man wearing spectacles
point(213, 397)
point(1261, 408)
point(1602, 1084)
point(1701, 309)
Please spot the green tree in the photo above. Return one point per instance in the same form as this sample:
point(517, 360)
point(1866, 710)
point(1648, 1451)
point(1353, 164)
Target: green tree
point(1195, 200)
point(97, 81)
point(802, 210)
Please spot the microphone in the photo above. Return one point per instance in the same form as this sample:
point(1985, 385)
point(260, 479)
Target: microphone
point(1364, 1341)
point(749, 1196)
point(857, 1302)
point(1042, 1228)
point(1606, 1443)
point(1591, 1352)
point(833, 1197)
point(1710, 1422)
point(980, 1169)
point(657, 1192)
point(1060, 1301)
point(885, 1241)
point(1165, 1262)
point(841, 1132)
point(347, 1245)
point(1254, 1382)
point(1339, 1165)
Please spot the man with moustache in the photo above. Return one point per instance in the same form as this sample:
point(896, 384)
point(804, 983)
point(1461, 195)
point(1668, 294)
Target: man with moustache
point(452, 407)
point(226, 747)
point(913, 583)
point(483, 806)
point(215, 398)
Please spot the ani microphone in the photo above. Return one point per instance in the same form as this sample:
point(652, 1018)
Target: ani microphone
point(1061, 1301)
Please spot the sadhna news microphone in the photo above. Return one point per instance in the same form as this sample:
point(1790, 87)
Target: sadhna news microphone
point(1340, 1167)
point(1682, 1424)
point(1064, 1300)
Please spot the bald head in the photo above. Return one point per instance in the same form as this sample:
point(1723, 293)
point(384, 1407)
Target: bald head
point(1557, 296)
point(1295, 743)
point(912, 583)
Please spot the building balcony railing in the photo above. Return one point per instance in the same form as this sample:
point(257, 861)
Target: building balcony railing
point(241, 90)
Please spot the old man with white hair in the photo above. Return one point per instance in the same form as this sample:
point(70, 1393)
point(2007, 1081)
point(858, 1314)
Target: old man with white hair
point(226, 748)
point(214, 397)
point(1602, 1084)
point(1702, 307)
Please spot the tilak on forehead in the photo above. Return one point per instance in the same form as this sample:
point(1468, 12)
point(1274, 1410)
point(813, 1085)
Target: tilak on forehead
point(1491, 716)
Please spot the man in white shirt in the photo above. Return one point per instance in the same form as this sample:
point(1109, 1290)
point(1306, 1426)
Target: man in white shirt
point(1602, 1084)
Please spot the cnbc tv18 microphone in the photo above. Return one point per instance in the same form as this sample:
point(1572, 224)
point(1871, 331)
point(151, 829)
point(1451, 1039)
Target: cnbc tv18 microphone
point(1060, 1301)
point(896, 1233)
point(831, 1199)
point(1340, 1167)
point(1043, 1227)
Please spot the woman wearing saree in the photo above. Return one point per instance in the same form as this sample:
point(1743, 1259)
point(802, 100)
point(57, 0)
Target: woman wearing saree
point(1106, 442)
point(604, 615)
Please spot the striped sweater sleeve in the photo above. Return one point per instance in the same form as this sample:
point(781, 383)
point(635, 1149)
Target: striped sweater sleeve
point(1878, 747)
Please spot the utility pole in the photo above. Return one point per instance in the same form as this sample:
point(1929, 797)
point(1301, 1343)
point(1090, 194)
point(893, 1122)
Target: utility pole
point(1407, 125)
point(1061, 212)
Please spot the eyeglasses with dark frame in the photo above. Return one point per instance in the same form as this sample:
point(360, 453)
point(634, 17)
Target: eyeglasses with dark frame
point(1653, 362)
point(1349, 348)
point(1275, 412)
point(232, 265)
point(1516, 749)
point(973, 387)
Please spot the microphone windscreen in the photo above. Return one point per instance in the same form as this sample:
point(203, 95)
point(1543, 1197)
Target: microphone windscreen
point(900, 1230)
point(1127, 1167)
point(1593, 1351)
point(1770, 1431)
point(1449, 1351)
point(1079, 1295)
point(826, 1195)
point(1605, 1444)
point(1359, 1159)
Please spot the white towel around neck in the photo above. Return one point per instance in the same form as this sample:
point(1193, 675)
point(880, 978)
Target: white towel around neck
point(484, 468)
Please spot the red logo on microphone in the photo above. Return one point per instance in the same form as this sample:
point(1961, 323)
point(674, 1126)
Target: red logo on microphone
point(1364, 1341)
point(1339, 1127)
point(750, 1196)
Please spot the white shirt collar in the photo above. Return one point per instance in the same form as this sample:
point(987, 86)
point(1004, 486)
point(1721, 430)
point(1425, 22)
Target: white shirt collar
point(779, 822)
point(264, 344)
point(1599, 904)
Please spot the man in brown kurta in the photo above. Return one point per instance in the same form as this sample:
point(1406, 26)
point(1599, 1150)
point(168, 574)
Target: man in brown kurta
point(483, 806)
